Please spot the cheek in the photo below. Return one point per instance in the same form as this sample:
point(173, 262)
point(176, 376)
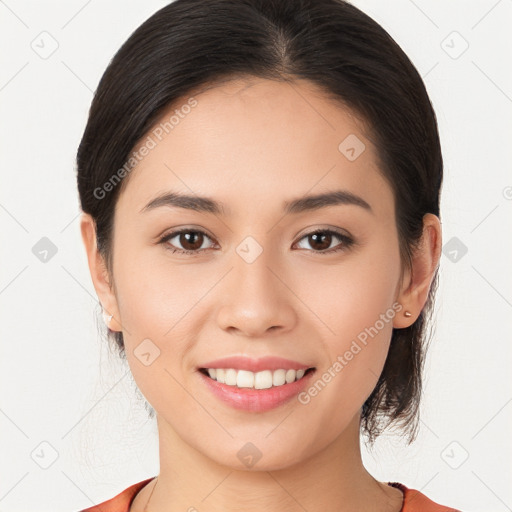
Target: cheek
point(350, 296)
point(158, 313)
point(355, 300)
point(154, 294)
point(157, 304)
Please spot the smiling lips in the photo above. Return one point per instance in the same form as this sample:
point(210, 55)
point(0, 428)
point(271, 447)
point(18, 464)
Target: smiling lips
point(244, 372)
point(255, 384)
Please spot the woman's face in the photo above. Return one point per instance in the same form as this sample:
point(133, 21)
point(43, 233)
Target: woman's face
point(257, 285)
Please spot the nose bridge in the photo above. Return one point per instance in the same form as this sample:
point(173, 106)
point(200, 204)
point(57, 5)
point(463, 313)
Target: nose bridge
point(255, 299)
point(251, 261)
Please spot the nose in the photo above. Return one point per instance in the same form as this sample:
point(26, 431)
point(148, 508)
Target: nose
point(256, 299)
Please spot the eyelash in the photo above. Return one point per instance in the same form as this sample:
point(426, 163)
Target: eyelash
point(347, 242)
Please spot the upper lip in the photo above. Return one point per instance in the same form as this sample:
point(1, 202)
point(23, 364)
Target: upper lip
point(255, 365)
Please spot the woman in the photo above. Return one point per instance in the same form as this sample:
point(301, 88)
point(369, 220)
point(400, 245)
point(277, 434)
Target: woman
point(260, 184)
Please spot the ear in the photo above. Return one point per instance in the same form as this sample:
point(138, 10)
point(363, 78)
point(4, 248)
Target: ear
point(416, 284)
point(98, 270)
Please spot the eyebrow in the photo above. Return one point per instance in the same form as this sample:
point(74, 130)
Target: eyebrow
point(205, 204)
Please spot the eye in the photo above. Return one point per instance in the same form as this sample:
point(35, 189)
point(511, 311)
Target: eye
point(321, 240)
point(191, 241)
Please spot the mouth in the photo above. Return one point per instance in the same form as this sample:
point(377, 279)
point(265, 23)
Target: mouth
point(255, 384)
point(258, 391)
point(264, 379)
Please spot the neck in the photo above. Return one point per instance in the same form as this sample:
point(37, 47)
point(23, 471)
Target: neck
point(334, 478)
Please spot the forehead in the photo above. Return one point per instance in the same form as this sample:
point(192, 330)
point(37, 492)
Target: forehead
point(256, 139)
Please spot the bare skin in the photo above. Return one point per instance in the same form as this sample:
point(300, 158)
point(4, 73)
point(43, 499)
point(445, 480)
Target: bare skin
point(291, 302)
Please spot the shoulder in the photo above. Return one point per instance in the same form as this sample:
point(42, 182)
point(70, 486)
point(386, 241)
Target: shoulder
point(120, 502)
point(415, 501)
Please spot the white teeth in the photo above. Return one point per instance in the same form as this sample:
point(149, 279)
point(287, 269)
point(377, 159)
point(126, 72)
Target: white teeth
point(245, 379)
point(290, 375)
point(279, 378)
point(263, 380)
point(230, 377)
point(255, 380)
point(220, 375)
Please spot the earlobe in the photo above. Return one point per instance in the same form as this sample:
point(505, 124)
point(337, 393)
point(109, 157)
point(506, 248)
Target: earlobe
point(425, 260)
point(98, 270)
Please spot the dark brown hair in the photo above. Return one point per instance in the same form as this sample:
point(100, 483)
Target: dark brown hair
point(193, 43)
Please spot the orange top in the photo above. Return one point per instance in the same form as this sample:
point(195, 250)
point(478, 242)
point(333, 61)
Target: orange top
point(414, 501)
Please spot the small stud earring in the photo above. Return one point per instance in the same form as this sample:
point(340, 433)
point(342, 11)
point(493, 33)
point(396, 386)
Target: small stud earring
point(407, 313)
point(106, 318)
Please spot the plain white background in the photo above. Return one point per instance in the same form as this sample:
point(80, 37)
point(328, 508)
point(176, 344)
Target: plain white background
point(73, 431)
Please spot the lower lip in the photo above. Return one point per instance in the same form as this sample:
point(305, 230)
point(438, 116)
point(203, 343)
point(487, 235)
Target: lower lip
point(256, 400)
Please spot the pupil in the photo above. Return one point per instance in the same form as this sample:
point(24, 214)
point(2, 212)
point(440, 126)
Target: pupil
point(188, 237)
point(317, 236)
